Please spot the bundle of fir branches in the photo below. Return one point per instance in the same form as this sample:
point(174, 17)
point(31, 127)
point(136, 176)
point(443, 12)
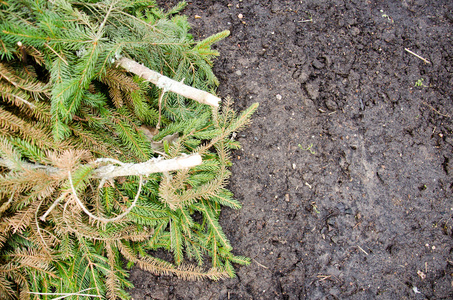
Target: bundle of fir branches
point(111, 148)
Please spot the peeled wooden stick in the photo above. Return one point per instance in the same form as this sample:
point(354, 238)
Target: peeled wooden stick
point(148, 167)
point(127, 169)
point(168, 84)
point(117, 168)
point(140, 169)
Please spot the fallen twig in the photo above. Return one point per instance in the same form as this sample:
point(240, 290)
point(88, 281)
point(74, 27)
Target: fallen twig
point(323, 277)
point(55, 203)
point(260, 264)
point(416, 55)
point(360, 248)
point(443, 115)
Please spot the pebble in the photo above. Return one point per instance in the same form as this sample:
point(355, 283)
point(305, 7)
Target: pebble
point(317, 64)
point(303, 77)
point(240, 16)
point(332, 105)
point(312, 90)
point(355, 31)
point(278, 96)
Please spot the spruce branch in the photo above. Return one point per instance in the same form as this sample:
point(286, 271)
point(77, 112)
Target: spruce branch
point(166, 83)
point(69, 200)
point(6, 205)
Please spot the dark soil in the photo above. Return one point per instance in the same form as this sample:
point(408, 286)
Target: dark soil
point(365, 212)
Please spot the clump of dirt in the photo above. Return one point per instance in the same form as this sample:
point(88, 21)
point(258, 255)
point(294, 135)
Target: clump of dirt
point(346, 172)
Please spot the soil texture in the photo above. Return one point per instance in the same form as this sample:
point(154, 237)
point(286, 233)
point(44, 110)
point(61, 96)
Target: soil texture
point(346, 174)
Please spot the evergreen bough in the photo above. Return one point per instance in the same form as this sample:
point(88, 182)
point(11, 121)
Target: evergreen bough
point(97, 165)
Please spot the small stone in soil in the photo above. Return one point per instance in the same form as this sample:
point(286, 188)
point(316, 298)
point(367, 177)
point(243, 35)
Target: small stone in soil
point(355, 31)
point(312, 90)
point(332, 105)
point(317, 64)
point(303, 77)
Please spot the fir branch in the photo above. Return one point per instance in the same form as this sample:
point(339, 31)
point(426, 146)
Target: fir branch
point(207, 42)
point(90, 215)
point(76, 226)
point(131, 138)
point(112, 281)
point(15, 96)
point(6, 205)
point(30, 84)
point(117, 96)
point(176, 240)
point(32, 132)
point(213, 224)
point(117, 79)
point(155, 266)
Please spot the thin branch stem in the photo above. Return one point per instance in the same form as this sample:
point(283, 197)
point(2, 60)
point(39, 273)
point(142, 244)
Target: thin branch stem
point(105, 20)
point(44, 244)
point(55, 203)
point(160, 108)
point(31, 105)
point(79, 202)
point(56, 53)
point(438, 112)
point(418, 56)
point(7, 204)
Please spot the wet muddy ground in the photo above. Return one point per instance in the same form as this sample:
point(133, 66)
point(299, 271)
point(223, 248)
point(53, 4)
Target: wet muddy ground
point(346, 174)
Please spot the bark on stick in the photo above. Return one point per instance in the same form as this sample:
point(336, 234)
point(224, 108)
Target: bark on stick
point(117, 168)
point(168, 84)
point(148, 167)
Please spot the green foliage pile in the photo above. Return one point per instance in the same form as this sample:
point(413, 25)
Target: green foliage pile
point(63, 104)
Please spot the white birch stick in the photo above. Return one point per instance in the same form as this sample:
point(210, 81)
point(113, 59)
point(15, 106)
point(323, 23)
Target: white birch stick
point(168, 84)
